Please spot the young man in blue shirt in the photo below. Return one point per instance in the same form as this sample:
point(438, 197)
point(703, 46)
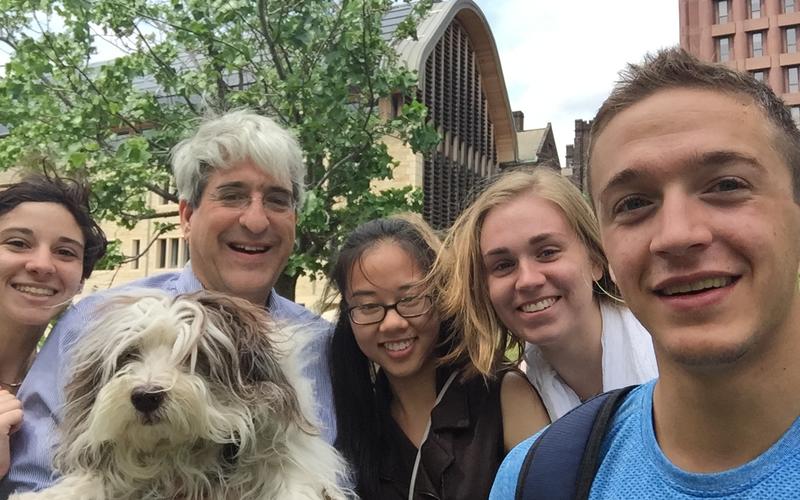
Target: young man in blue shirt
point(694, 175)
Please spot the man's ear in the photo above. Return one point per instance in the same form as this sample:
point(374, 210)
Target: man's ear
point(185, 211)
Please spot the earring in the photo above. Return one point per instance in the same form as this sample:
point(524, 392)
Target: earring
point(607, 293)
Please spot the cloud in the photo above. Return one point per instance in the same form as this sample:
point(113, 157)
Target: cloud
point(561, 59)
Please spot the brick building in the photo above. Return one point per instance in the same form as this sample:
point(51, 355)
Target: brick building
point(757, 36)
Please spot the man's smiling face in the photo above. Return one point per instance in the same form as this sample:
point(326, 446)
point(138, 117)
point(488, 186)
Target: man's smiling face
point(238, 242)
point(698, 220)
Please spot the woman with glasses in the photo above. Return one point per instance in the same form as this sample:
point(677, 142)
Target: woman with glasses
point(406, 422)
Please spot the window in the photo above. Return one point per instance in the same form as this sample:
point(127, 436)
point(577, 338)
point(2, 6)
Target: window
point(795, 112)
point(171, 253)
point(161, 254)
point(722, 10)
point(174, 256)
point(788, 6)
point(723, 46)
point(790, 40)
point(135, 249)
point(791, 81)
point(757, 44)
point(754, 6)
point(760, 75)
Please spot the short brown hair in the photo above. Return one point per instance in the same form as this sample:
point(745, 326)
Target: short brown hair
point(675, 68)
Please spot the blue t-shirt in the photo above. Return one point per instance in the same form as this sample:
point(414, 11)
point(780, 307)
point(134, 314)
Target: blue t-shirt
point(633, 466)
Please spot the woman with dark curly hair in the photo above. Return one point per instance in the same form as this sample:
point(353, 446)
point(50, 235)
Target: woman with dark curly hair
point(49, 245)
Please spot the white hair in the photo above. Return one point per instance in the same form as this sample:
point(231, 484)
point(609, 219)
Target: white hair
point(240, 135)
point(234, 417)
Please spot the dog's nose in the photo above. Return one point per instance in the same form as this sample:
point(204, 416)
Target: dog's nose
point(147, 400)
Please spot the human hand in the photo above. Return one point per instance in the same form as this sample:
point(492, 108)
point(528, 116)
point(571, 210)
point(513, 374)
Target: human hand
point(10, 418)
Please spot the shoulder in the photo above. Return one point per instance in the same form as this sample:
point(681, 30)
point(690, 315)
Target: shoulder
point(285, 310)
point(514, 383)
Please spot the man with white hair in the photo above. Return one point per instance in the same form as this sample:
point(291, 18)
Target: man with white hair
point(240, 180)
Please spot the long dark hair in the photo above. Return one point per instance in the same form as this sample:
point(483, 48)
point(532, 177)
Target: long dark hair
point(352, 374)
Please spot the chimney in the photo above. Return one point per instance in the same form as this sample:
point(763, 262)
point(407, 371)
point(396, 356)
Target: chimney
point(519, 120)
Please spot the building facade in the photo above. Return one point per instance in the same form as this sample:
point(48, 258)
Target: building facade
point(756, 36)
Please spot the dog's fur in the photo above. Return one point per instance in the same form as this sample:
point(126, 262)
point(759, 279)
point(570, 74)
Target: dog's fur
point(236, 420)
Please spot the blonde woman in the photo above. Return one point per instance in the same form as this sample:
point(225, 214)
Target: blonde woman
point(524, 268)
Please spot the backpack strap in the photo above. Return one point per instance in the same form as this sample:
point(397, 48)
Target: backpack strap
point(562, 463)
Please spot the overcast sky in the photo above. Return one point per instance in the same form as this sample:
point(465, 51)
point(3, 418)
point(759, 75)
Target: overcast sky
point(560, 58)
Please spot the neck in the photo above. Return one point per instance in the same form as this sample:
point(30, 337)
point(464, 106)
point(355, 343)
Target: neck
point(18, 346)
point(578, 356)
point(715, 419)
point(413, 400)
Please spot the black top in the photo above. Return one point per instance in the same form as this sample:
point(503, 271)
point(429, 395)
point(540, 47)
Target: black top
point(464, 448)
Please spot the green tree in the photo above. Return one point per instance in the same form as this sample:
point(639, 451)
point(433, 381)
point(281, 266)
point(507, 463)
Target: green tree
point(319, 67)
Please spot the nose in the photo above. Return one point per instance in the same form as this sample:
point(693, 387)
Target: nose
point(392, 321)
point(530, 275)
point(254, 218)
point(147, 399)
point(681, 227)
point(41, 262)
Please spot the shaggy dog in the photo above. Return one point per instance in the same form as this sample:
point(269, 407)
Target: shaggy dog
point(190, 398)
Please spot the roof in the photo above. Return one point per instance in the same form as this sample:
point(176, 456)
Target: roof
point(393, 18)
point(414, 53)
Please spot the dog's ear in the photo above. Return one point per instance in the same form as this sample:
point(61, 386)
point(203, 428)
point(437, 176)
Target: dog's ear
point(248, 327)
point(80, 394)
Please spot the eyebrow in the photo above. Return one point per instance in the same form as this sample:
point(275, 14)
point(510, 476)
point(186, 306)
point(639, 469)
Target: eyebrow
point(535, 240)
point(709, 159)
point(29, 232)
point(242, 185)
point(364, 293)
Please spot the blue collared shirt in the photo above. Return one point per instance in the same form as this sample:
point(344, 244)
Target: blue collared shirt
point(42, 391)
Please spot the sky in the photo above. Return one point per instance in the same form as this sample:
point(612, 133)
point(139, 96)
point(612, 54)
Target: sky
point(560, 58)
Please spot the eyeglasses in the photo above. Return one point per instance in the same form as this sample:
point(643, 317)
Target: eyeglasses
point(408, 307)
point(276, 201)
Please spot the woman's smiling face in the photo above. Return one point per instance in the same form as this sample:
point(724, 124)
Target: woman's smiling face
point(538, 271)
point(386, 274)
point(41, 262)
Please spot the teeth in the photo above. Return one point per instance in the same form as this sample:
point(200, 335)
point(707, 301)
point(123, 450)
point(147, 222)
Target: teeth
point(249, 249)
point(34, 290)
point(697, 285)
point(539, 306)
point(399, 345)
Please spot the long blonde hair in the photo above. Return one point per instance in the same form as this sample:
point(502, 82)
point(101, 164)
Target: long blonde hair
point(458, 275)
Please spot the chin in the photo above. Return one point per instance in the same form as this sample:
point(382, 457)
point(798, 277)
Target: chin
point(702, 349)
